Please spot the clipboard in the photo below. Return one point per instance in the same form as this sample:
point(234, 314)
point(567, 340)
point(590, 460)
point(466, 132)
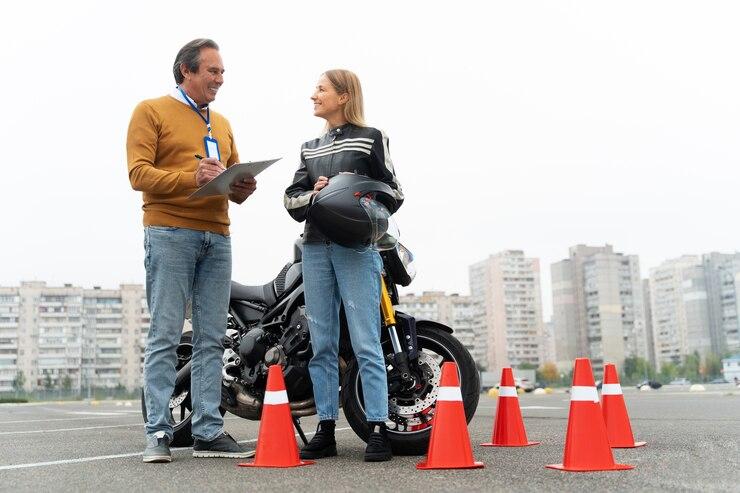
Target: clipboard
point(222, 183)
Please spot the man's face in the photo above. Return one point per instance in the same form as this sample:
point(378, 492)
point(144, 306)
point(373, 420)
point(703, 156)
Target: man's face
point(203, 85)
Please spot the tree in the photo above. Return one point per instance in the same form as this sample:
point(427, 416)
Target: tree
point(48, 382)
point(67, 383)
point(526, 366)
point(691, 366)
point(668, 372)
point(19, 382)
point(712, 366)
point(636, 369)
point(548, 373)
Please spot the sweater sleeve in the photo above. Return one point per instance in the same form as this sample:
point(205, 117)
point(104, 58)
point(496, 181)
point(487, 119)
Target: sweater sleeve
point(298, 195)
point(384, 165)
point(141, 150)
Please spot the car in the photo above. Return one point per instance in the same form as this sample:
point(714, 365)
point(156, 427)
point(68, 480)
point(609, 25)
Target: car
point(651, 383)
point(680, 381)
point(719, 380)
point(521, 383)
point(525, 384)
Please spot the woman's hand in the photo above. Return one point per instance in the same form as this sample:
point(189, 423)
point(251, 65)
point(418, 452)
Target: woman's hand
point(320, 183)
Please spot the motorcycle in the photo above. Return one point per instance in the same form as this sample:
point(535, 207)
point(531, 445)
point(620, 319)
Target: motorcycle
point(267, 325)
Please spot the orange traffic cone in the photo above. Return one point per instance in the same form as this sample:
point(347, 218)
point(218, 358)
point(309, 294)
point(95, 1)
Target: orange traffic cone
point(586, 442)
point(508, 428)
point(276, 443)
point(449, 446)
point(615, 411)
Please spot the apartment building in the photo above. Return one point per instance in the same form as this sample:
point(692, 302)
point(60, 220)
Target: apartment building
point(506, 287)
point(453, 310)
point(598, 307)
point(71, 337)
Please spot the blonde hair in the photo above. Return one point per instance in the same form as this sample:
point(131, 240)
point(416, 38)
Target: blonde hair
point(346, 82)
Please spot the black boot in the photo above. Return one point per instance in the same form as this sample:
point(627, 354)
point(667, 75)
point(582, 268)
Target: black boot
point(322, 444)
point(378, 446)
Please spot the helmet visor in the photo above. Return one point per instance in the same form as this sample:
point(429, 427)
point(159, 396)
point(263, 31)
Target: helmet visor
point(384, 230)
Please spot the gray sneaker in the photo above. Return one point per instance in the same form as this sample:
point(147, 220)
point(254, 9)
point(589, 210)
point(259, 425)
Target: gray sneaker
point(221, 446)
point(157, 449)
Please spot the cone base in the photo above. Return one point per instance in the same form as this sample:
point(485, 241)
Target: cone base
point(617, 467)
point(300, 463)
point(634, 445)
point(528, 444)
point(474, 465)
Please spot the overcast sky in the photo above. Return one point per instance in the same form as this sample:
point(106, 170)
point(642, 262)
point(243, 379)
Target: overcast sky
point(512, 125)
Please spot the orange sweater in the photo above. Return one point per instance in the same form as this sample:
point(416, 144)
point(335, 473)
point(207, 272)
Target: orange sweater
point(163, 138)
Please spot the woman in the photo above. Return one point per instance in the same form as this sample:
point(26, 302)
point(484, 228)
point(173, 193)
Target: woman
point(332, 272)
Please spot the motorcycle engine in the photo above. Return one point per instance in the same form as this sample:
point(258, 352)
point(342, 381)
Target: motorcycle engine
point(259, 349)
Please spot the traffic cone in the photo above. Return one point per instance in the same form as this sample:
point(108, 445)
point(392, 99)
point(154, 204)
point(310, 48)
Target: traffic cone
point(586, 442)
point(617, 420)
point(449, 445)
point(508, 428)
point(276, 443)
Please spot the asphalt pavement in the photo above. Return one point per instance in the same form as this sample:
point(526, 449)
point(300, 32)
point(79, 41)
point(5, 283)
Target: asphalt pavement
point(693, 445)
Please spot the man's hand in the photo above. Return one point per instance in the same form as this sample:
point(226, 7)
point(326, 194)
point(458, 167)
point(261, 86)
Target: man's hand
point(320, 183)
point(242, 189)
point(208, 169)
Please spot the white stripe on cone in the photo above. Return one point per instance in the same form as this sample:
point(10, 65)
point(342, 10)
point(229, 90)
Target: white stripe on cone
point(507, 392)
point(276, 397)
point(449, 394)
point(587, 394)
point(611, 389)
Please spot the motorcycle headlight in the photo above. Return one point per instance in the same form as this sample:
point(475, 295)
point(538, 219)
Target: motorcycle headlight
point(407, 259)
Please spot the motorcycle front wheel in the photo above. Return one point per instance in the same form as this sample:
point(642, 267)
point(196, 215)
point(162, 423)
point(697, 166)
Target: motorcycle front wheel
point(411, 411)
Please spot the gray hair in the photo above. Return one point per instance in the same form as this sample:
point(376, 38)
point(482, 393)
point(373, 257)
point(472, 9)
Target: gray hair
point(190, 56)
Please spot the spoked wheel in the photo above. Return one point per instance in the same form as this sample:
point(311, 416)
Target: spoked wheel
point(411, 410)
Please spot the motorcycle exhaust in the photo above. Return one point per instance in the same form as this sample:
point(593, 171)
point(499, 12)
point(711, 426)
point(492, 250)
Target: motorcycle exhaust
point(249, 406)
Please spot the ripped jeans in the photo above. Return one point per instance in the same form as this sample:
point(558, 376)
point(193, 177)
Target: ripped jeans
point(332, 273)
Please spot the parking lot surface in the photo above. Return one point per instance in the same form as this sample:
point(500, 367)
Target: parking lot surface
point(693, 444)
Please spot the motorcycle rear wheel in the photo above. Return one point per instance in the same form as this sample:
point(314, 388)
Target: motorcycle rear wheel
point(181, 407)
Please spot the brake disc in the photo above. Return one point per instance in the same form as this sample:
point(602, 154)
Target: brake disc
point(406, 406)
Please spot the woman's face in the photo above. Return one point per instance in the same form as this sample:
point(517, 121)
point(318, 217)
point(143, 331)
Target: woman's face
point(327, 103)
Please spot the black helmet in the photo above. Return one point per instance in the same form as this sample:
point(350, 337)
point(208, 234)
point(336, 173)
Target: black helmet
point(352, 210)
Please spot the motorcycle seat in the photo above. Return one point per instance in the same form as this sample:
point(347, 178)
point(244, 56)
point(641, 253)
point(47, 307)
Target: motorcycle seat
point(261, 294)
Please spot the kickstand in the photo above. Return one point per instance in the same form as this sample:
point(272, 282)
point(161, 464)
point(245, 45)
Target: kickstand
point(297, 424)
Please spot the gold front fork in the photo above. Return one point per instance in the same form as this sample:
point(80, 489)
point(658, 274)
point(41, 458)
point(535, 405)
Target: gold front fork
point(386, 306)
point(389, 320)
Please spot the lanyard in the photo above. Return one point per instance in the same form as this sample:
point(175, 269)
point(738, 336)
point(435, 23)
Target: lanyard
point(206, 119)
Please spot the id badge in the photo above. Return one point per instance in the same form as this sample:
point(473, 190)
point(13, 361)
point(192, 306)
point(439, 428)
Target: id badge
point(211, 147)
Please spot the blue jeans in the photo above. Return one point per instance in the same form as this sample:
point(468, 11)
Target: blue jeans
point(332, 272)
point(182, 264)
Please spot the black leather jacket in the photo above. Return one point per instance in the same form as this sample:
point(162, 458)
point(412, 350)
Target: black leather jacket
point(362, 150)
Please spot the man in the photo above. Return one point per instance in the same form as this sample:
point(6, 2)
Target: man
point(187, 245)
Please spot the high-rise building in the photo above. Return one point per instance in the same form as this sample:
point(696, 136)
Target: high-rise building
point(506, 287)
point(680, 310)
point(648, 321)
point(722, 273)
point(453, 310)
point(598, 307)
point(549, 354)
point(71, 337)
point(10, 307)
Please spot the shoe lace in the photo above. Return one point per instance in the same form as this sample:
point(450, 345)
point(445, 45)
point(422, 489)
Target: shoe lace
point(376, 439)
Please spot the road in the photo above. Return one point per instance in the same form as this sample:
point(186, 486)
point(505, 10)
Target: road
point(693, 444)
